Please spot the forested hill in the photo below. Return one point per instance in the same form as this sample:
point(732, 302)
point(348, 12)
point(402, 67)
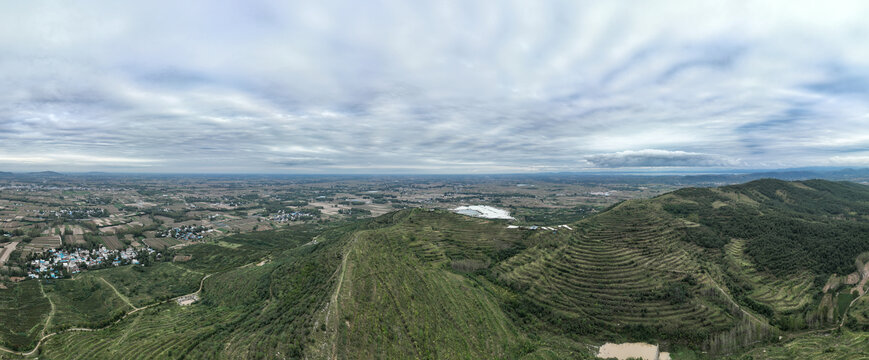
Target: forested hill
point(814, 225)
point(712, 269)
point(705, 272)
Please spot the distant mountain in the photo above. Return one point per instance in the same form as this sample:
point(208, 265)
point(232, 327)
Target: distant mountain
point(44, 174)
point(688, 179)
point(814, 173)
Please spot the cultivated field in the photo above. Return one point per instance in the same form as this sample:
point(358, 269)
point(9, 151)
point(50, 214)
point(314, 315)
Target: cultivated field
point(112, 242)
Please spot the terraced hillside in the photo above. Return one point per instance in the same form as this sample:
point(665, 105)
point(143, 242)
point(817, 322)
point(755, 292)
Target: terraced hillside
point(415, 289)
point(845, 345)
point(784, 294)
point(686, 269)
point(766, 265)
point(626, 271)
point(256, 299)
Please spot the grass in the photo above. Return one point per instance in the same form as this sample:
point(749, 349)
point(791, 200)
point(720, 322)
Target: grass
point(858, 316)
point(846, 345)
point(245, 311)
point(83, 302)
point(398, 301)
point(227, 244)
point(147, 284)
point(433, 284)
point(842, 302)
point(161, 243)
point(23, 310)
point(616, 275)
point(784, 294)
point(209, 258)
point(166, 331)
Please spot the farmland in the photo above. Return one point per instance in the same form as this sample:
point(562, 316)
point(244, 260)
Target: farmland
point(846, 345)
point(682, 271)
point(112, 242)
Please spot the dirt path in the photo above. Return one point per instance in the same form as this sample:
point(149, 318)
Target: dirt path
point(126, 300)
point(201, 283)
point(864, 272)
point(792, 335)
point(845, 313)
point(7, 250)
point(135, 310)
point(50, 314)
point(127, 332)
point(334, 300)
point(726, 295)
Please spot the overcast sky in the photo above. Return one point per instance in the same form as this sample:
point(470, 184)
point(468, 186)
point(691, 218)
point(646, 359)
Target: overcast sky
point(432, 86)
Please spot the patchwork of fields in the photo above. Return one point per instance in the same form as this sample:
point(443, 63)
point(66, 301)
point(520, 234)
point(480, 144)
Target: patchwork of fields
point(424, 283)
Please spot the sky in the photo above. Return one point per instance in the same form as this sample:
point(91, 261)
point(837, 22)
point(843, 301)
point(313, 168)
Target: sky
point(432, 86)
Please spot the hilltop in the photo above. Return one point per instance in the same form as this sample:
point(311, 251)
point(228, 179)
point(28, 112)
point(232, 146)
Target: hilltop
point(714, 271)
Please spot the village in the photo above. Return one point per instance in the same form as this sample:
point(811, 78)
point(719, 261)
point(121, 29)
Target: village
point(61, 263)
point(285, 216)
point(185, 232)
point(69, 223)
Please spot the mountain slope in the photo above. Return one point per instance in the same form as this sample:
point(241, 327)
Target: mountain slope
point(716, 270)
point(696, 268)
point(402, 292)
point(626, 271)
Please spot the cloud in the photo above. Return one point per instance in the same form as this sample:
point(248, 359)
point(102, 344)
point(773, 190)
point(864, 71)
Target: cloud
point(657, 158)
point(851, 160)
point(447, 86)
point(75, 160)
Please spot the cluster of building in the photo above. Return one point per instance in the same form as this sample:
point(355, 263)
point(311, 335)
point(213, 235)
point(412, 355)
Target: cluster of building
point(59, 262)
point(79, 213)
point(186, 232)
point(283, 216)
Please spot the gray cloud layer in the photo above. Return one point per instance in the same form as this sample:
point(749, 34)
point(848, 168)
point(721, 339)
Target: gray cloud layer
point(446, 86)
point(658, 158)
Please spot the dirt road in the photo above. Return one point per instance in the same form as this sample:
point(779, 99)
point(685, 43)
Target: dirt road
point(7, 250)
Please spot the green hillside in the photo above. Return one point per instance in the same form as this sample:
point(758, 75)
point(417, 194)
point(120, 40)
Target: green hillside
point(767, 265)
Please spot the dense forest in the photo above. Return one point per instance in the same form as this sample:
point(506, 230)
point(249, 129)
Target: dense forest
point(816, 225)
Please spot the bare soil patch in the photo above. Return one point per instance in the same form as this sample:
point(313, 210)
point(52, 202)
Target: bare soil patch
point(632, 350)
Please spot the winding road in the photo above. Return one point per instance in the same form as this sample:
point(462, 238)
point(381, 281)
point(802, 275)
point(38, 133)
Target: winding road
point(135, 310)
